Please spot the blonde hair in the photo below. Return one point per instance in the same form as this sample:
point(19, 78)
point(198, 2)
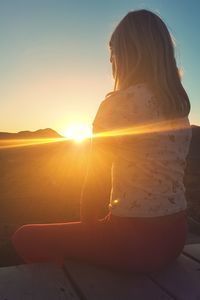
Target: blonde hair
point(142, 50)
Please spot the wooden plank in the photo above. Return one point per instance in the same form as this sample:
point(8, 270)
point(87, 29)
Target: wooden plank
point(193, 251)
point(94, 282)
point(181, 279)
point(35, 282)
point(192, 238)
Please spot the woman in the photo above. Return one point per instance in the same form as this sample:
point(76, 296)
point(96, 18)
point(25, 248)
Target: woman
point(142, 131)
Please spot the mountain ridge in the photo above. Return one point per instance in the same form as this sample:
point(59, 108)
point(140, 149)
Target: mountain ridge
point(26, 134)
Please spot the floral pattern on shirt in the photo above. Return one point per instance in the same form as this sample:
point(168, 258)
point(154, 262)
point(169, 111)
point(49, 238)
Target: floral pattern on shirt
point(148, 169)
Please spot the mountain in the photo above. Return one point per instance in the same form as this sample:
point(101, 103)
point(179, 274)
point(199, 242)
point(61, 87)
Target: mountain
point(41, 133)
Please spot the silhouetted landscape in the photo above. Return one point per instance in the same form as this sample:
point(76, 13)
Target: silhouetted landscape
point(41, 133)
point(42, 182)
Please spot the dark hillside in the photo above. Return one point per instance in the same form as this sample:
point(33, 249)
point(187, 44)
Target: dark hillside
point(192, 176)
point(42, 183)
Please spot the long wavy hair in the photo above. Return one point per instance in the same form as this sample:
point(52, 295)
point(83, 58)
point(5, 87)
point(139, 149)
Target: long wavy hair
point(142, 51)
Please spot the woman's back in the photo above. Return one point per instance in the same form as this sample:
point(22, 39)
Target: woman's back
point(149, 154)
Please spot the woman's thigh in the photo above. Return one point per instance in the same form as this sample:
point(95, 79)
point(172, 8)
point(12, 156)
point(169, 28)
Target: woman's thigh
point(55, 242)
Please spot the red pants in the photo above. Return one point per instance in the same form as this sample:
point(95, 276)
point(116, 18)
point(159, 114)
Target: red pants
point(132, 244)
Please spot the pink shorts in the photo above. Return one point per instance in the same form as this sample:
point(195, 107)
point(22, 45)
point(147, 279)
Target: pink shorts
point(131, 244)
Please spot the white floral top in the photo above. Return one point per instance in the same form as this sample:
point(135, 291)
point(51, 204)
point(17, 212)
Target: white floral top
point(148, 166)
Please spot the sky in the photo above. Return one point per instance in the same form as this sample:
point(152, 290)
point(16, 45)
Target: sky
point(54, 57)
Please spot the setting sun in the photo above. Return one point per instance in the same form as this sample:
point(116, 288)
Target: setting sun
point(78, 132)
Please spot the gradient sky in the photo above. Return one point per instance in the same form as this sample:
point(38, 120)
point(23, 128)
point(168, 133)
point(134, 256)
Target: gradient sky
point(54, 57)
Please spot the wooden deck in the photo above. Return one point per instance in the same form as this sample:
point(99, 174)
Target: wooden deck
point(180, 281)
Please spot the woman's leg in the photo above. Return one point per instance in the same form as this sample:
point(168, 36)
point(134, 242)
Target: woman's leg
point(132, 244)
point(55, 242)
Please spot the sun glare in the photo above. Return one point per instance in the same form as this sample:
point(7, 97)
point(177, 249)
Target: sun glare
point(78, 132)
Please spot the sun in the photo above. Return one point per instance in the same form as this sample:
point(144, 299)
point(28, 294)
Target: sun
point(78, 132)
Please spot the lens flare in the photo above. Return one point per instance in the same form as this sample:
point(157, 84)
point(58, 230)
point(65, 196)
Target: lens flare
point(78, 132)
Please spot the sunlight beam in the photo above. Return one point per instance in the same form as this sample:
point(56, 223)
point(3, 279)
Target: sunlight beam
point(15, 143)
point(162, 126)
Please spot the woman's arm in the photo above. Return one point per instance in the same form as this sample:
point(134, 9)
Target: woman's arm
point(100, 161)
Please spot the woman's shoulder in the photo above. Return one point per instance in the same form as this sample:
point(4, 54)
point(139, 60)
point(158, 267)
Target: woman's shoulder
point(136, 100)
point(125, 106)
point(136, 94)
